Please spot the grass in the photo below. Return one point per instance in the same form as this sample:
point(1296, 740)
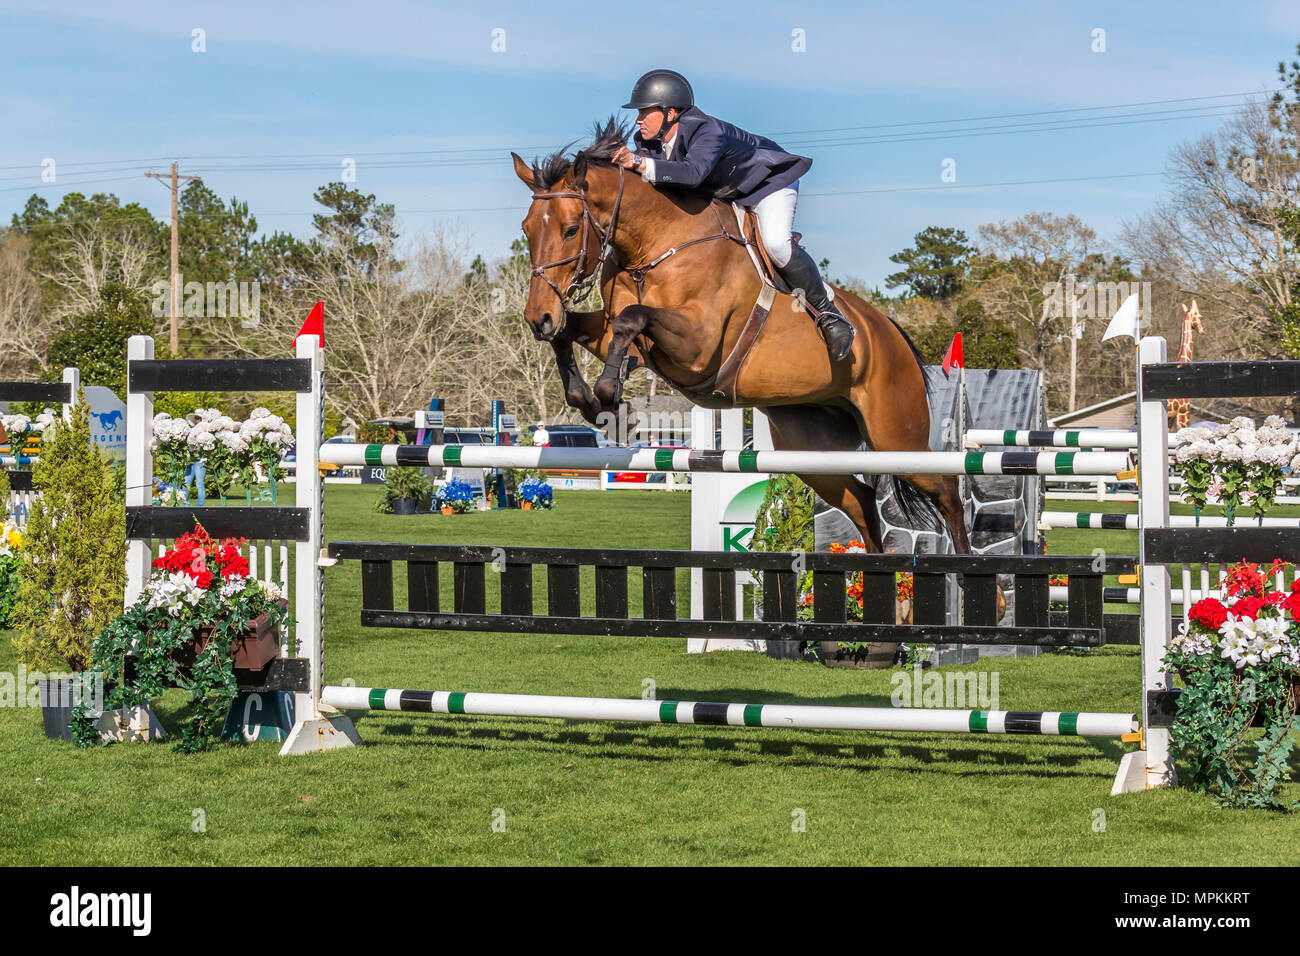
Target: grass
point(427, 789)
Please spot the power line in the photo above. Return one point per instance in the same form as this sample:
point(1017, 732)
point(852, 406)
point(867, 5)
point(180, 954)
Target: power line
point(921, 134)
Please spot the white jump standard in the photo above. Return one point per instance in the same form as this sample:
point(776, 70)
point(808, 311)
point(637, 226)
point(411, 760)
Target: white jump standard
point(913, 719)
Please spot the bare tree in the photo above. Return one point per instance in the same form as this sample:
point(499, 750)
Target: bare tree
point(25, 330)
point(1018, 264)
point(1221, 233)
point(90, 255)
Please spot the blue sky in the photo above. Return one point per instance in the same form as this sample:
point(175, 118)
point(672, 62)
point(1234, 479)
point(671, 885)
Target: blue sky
point(415, 93)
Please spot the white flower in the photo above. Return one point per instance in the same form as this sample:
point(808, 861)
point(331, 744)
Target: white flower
point(260, 412)
point(234, 441)
point(271, 590)
point(172, 591)
point(233, 585)
point(1275, 421)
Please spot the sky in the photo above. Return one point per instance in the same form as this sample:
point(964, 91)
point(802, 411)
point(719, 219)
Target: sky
point(915, 115)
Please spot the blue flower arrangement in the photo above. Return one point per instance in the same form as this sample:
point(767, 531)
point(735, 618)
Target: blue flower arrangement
point(456, 495)
point(536, 492)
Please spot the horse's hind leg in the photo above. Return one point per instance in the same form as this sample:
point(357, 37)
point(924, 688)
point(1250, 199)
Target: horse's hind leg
point(809, 427)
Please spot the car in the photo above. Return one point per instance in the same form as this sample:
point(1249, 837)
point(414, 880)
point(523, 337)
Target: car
point(570, 436)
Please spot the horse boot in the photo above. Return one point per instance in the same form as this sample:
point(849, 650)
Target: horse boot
point(804, 277)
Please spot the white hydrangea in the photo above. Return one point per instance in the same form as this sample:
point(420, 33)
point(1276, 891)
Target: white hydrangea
point(234, 441)
point(15, 423)
point(271, 590)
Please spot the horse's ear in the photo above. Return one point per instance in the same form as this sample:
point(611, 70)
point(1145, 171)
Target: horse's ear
point(579, 171)
point(524, 171)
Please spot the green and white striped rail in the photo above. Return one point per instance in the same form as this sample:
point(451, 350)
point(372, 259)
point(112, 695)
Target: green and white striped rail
point(707, 460)
point(806, 717)
point(1053, 438)
point(1125, 522)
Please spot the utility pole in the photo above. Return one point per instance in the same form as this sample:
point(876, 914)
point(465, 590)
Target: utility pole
point(174, 340)
point(1074, 339)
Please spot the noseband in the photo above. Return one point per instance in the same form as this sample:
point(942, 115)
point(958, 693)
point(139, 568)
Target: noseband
point(579, 286)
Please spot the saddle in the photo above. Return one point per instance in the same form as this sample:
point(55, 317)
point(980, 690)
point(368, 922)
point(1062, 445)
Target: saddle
point(721, 387)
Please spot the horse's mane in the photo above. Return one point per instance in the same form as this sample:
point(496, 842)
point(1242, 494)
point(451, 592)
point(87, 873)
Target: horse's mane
point(606, 139)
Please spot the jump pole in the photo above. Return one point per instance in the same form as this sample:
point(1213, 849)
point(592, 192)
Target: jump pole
point(913, 719)
point(708, 460)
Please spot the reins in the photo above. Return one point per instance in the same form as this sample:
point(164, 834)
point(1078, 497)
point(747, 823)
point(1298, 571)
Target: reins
point(589, 225)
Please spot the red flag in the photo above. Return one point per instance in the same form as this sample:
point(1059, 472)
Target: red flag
point(315, 324)
point(953, 359)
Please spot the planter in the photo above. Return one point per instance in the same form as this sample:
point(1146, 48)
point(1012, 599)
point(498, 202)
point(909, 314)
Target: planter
point(56, 707)
point(876, 655)
point(447, 510)
point(253, 650)
point(403, 506)
point(123, 724)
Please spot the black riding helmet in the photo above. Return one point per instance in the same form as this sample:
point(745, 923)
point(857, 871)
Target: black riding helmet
point(666, 89)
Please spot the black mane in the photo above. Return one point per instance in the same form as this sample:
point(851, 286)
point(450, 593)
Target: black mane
point(606, 139)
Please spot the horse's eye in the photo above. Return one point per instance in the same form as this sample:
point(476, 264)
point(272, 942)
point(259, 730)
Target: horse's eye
point(570, 232)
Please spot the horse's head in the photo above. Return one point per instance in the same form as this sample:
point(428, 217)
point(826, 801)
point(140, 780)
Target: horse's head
point(559, 241)
point(567, 236)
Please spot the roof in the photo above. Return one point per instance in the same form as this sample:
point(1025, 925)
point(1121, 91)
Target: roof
point(1066, 417)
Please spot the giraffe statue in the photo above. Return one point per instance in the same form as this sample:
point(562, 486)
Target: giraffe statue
point(1180, 408)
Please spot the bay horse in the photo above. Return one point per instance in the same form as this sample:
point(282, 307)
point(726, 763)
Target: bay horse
point(678, 287)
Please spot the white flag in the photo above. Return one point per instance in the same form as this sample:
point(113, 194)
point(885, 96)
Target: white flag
point(1125, 321)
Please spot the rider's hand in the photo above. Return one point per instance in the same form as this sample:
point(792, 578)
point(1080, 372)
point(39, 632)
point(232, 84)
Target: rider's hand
point(623, 157)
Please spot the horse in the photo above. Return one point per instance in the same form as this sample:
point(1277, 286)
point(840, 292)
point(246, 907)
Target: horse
point(678, 288)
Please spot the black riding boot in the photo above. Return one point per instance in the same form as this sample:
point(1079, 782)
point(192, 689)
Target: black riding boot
point(802, 274)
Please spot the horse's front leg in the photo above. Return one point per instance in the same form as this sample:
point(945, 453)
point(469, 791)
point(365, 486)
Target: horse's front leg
point(625, 326)
point(577, 393)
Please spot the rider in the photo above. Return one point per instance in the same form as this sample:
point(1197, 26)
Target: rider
point(679, 145)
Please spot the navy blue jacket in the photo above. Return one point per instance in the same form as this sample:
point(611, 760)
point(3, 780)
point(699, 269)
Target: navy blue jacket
point(723, 161)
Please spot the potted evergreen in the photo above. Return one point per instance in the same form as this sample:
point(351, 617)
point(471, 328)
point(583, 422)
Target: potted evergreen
point(73, 569)
point(403, 490)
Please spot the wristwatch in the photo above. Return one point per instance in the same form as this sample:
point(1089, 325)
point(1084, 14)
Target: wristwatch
point(638, 163)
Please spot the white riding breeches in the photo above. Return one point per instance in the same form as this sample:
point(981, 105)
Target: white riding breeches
point(775, 214)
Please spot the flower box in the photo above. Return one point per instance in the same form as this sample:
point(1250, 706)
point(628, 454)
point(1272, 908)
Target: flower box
point(253, 650)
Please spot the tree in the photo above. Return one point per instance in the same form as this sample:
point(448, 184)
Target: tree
point(25, 329)
point(95, 342)
point(1227, 234)
point(361, 227)
point(87, 243)
point(936, 267)
point(73, 574)
point(987, 342)
point(216, 238)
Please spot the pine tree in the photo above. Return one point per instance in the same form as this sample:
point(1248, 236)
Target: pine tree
point(73, 575)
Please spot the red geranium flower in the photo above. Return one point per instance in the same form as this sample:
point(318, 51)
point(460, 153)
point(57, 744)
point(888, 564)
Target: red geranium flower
point(1248, 607)
point(1209, 613)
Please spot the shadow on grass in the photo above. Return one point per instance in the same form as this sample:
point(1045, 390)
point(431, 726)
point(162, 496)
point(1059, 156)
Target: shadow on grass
point(739, 746)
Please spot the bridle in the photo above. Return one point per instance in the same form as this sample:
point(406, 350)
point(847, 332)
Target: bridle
point(582, 282)
point(579, 286)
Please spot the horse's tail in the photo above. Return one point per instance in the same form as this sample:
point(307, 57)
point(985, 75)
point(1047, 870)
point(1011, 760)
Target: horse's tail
point(918, 510)
point(916, 507)
point(916, 354)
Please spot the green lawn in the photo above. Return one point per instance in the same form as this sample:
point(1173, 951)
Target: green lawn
point(426, 789)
